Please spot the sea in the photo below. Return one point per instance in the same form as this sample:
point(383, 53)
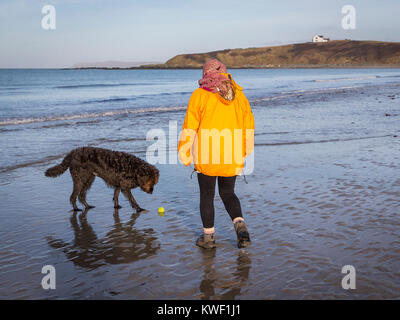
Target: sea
point(46, 112)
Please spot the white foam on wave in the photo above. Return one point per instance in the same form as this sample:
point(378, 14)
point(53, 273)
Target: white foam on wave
point(281, 95)
point(89, 115)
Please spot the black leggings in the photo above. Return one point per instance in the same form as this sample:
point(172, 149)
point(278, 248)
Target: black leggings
point(226, 188)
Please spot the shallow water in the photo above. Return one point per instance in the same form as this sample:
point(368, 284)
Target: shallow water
point(324, 194)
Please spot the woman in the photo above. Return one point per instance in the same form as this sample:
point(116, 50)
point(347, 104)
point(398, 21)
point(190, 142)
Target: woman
point(217, 135)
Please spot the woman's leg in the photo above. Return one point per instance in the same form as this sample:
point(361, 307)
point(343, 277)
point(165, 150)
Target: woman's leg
point(207, 192)
point(226, 188)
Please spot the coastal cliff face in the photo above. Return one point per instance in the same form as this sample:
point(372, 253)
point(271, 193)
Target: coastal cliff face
point(339, 53)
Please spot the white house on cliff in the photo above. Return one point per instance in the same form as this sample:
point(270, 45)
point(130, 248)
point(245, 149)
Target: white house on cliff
point(319, 38)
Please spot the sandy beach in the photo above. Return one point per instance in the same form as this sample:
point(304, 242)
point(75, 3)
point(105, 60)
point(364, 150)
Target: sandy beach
point(324, 194)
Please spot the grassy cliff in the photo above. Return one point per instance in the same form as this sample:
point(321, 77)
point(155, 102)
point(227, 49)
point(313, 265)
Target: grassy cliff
point(339, 53)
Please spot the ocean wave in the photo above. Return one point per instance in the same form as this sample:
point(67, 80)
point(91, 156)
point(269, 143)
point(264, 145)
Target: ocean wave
point(31, 163)
point(5, 88)
point(101, 85)
point(106, 140)
point(105, 100)
point(286, 143)
point(9, 130)
point(120, 99)
point(288, 94)
point(65, 124)
point(390, 76)
point(345, 79)
point(271, 133)
point(89, 115)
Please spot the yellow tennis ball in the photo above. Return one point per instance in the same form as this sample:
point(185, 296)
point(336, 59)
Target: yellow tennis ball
point(161, 210)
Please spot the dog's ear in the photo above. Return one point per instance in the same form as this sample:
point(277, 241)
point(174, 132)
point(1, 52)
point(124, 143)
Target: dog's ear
point(157, 177)
point(142, 180)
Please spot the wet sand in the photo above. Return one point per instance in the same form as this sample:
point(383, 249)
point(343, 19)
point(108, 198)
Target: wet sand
point(308, 215)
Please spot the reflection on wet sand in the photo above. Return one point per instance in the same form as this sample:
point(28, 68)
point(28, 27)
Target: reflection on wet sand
point(122, 244)
point(211, 281)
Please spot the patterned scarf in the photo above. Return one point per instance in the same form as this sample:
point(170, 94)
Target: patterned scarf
point(212, 75)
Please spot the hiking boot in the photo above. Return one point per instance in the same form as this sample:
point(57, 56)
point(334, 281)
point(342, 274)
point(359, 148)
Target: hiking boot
point(206, 241)
point(243, 238)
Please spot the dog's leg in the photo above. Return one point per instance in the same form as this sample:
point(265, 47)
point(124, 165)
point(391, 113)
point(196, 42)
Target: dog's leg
point(85, 188)
point(77, 186)
point(127, 193)
point(116, 195)
point(73, 196)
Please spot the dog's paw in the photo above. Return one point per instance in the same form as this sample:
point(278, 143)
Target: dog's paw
point(141, 210)
point(89, 207)
point(118, 207)
point(76, 210)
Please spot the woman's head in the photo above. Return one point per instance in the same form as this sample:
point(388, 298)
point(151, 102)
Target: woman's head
point(215, 78)
point(213, 66)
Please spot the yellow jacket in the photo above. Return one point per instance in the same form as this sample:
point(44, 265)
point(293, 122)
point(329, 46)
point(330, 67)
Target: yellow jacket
point(217, 134)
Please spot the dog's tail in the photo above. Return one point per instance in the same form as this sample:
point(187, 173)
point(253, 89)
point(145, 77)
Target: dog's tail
point(60, 168)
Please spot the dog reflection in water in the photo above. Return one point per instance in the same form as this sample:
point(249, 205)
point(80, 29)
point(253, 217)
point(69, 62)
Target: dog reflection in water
point(122, 244)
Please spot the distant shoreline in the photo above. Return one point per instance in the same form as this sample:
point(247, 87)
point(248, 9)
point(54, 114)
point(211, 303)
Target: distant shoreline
point(384, 66)
point(332, 54)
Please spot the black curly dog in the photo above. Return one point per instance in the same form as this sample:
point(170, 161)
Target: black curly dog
point(119, 170)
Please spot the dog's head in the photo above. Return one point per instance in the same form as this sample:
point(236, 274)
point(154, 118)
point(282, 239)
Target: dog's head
point(149, 180)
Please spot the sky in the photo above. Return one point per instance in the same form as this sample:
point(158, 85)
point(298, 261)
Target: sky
point(157, 30)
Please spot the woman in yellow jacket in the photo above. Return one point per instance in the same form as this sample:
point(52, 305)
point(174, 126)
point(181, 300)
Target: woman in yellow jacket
point(217, 135)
